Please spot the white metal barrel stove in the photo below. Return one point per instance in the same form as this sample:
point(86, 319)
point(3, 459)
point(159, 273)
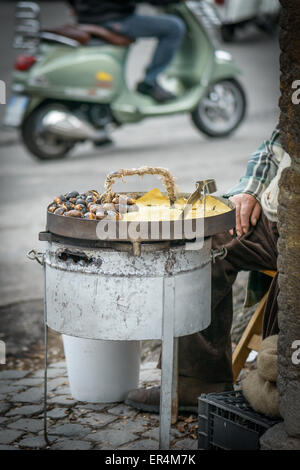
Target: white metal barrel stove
point(130, 289)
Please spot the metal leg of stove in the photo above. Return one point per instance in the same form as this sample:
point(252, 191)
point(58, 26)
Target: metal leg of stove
point(167, 358)
point(45, 362)
point(45, 383)
point(174, 412)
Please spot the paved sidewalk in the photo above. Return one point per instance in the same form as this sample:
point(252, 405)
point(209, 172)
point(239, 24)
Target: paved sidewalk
point(77, 425)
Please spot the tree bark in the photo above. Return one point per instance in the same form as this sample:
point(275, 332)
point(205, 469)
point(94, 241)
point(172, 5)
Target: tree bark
point(289, 236)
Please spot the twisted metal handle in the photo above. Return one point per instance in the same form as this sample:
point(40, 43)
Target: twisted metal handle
point(163, 173)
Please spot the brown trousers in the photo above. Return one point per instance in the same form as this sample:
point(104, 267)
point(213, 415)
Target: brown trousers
point(207, 356)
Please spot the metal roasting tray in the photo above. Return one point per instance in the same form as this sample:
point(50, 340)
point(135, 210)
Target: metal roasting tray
point(82, 229)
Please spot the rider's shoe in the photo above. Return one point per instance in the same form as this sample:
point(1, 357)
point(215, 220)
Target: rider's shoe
point(156, 92)
point(102, 142)
point(189, 389)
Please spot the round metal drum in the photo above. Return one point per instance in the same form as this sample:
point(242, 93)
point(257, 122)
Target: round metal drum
point(112, 295)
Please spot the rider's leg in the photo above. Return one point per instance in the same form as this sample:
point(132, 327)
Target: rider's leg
point(168, 29)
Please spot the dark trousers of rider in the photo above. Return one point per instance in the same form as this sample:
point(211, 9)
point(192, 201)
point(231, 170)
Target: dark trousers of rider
point(168, 29)
point(207, 356)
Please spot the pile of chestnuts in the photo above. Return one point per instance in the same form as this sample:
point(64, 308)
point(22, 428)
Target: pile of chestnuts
point(89, 206)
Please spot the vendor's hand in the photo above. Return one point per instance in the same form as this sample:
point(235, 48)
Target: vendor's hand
point(248, 210)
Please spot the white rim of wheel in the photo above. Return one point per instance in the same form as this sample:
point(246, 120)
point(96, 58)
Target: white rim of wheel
point(222, 107)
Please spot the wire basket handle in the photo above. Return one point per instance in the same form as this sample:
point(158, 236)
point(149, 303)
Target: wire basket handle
point(163, 173)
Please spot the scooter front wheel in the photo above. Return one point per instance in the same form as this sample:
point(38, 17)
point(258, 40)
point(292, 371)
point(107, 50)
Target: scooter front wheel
point(43, 144)
point(221, 110)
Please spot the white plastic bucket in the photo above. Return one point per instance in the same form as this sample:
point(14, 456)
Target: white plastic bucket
point(101, 371)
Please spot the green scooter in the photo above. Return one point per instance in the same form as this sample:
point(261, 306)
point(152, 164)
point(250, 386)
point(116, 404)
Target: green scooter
point(65, 92)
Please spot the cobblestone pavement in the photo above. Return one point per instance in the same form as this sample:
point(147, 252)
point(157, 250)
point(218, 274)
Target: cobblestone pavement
point(76, 425)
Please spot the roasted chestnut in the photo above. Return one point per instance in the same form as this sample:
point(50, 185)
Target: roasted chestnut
point(72, 194)
point(100, 214)
point(91, 199)
point(73, 213)
point(59, 200)
point(60, 211)
point(109, 206)
point(131, 201)
point(68, 205)
point(123, 200)
point(52, 208)
point(80, 207)
point(89, 215)
point(95, 207)
point(111, 215)
point(80, 200)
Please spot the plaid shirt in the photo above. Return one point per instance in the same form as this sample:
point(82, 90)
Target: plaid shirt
point(261, 169)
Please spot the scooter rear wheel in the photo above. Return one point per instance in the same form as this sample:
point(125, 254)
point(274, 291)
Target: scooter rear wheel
point(221, 110)
point(42, 144)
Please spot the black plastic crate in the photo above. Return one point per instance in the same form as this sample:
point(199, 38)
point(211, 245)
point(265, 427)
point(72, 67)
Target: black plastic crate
point(227, 422)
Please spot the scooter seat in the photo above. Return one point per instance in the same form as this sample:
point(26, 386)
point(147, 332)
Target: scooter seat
point(82, 33)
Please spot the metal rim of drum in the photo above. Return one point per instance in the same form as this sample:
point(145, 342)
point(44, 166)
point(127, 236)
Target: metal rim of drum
point(82, 229)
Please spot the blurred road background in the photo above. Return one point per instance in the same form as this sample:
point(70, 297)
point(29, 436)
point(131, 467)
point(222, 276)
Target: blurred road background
point(27, 185)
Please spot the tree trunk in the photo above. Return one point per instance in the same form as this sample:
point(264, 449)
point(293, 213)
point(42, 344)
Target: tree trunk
point(287, 435)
